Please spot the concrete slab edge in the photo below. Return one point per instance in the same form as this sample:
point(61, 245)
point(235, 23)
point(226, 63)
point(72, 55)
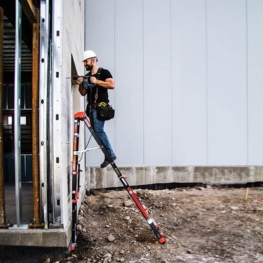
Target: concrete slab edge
point(37, 237)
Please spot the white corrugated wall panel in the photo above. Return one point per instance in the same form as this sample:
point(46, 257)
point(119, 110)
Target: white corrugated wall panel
point(188, 38)
point(227, 82)
point(100, 38)
point(129, 84)
point(255, 81)
point(188, 80)
point(157, 82)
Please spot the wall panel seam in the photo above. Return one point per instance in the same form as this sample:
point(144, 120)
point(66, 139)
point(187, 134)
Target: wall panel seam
point(247, 93)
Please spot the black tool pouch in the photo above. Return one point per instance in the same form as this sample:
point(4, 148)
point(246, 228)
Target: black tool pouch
point(105, 111)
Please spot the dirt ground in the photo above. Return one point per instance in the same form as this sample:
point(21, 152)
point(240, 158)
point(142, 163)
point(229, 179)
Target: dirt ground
point(201, 224)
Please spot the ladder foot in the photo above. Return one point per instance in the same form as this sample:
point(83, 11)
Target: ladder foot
point(162, 240)
point(73, 247)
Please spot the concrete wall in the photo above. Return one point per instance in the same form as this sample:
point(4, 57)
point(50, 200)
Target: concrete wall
point(143, 176)
point(188, 80)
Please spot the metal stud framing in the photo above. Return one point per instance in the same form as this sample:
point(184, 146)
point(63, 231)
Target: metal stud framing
point(17, 131)
point(2, 189)
point(43, 107)
point(55, 127)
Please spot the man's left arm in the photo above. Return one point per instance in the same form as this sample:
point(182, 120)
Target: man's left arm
point(107, 84)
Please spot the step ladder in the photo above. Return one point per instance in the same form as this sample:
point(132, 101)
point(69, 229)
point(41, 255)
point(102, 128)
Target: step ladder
point(81, 116)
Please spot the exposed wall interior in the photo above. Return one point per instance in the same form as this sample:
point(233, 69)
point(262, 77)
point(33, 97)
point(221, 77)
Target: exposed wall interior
point(42, 211)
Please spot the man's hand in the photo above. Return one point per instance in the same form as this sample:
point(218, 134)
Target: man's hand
point(93, 80)
point(82, 91)
point(79, 80)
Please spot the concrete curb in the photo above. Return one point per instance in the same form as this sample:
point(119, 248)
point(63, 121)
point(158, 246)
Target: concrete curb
point(97, 178)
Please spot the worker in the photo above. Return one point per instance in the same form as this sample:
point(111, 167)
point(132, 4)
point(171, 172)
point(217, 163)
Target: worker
point(100, 81)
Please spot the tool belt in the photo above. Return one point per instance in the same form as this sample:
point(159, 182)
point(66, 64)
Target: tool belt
point(105, 111)
point(93, 105)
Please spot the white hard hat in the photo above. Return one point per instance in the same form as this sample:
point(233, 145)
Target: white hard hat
point(89, 54)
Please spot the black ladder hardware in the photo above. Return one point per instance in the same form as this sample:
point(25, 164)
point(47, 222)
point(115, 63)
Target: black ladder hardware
point(81, 116)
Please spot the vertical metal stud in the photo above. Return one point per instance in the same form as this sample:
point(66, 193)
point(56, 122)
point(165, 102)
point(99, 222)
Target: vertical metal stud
point(55, 128)
point(43, 107)
point(17, 106)
point(2, 189)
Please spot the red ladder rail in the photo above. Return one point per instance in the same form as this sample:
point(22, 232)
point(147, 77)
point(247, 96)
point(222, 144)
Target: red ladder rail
point(75, 184)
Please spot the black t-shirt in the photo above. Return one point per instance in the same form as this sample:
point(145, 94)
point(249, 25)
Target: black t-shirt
point(102, 92)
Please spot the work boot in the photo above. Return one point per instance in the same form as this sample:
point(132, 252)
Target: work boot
point(106, 162)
